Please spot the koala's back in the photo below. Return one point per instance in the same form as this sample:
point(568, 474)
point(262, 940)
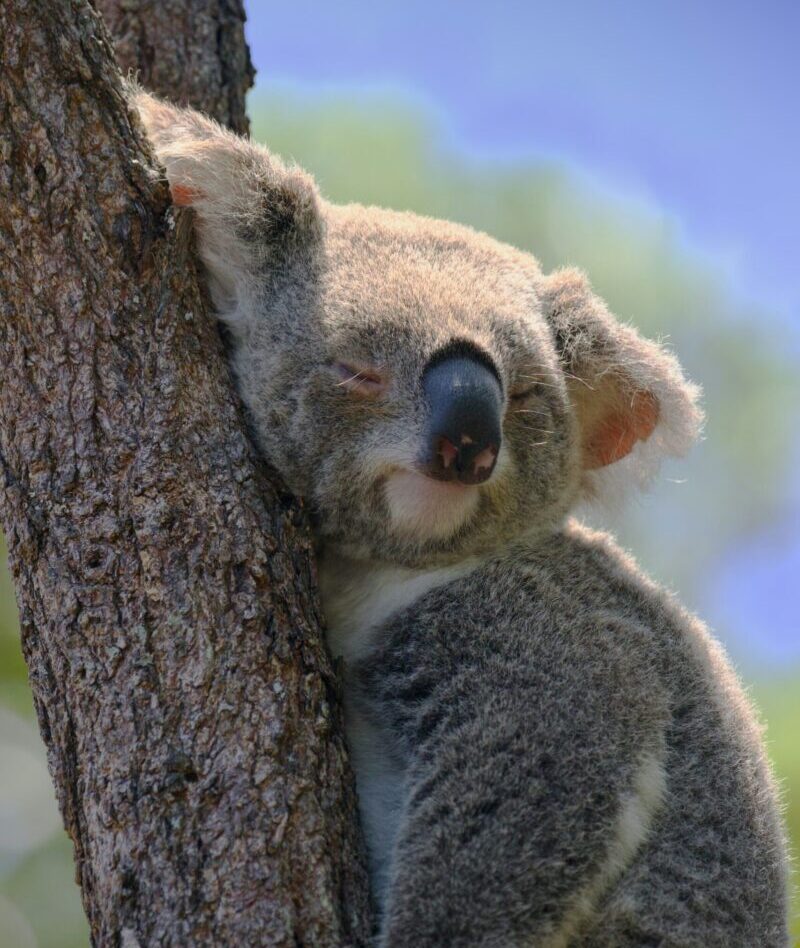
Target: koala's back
point(580, 764)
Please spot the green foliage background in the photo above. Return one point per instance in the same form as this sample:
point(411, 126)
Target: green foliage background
point(737, 481)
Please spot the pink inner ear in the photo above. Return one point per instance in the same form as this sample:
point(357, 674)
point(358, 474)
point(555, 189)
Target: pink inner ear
point(183, 196)
point(616, 432)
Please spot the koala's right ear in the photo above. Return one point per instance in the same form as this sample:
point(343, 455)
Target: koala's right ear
point(252, 210)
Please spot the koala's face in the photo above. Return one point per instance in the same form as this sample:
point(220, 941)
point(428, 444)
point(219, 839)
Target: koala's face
point(426, 389)
point(404, 380)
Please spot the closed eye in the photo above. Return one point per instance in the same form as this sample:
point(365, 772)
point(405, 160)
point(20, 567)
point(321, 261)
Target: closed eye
point(358, 379)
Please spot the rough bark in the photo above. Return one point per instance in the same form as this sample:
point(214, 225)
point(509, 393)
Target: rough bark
point(191, 51)
point(164, 582)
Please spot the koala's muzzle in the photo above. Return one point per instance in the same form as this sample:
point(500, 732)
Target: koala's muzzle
point(464, 429)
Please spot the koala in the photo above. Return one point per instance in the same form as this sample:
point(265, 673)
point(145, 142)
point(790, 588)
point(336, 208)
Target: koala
point(548, 750)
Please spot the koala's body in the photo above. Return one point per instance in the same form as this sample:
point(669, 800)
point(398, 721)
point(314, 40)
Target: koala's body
point(548, 750)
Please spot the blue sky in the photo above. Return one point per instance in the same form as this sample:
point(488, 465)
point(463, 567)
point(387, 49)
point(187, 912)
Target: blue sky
point(692, 105)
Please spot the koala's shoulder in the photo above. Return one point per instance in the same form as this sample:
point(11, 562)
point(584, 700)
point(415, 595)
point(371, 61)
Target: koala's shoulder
point(588, 569)
point(575, 574)
point(573, 600)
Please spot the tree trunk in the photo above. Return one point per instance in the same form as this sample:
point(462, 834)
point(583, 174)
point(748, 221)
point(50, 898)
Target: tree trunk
point(190, 51)
point(164, 580)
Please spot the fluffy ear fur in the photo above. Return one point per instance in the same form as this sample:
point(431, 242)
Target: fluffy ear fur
point(629, 393)
point(251, 208)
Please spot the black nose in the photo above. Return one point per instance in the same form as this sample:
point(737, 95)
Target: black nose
point(463, 435)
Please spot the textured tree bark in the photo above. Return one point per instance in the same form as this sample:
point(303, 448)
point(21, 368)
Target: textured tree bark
point(164, 582)
point(191, 51)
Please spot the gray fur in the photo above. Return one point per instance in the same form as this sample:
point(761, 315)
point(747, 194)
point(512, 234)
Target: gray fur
point(548, 750)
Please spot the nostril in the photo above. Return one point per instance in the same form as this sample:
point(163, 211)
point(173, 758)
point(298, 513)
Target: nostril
point(470, 462)
point(448, 452)
point(484, 463)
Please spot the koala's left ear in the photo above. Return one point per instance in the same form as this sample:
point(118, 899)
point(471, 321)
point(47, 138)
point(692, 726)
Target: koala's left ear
point(626, 390)
point(251, 209)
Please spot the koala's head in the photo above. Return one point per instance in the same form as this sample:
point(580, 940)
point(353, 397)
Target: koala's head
point(426, 389)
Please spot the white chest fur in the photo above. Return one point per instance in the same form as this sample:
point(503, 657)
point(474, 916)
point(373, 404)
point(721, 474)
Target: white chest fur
point(357, 597)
